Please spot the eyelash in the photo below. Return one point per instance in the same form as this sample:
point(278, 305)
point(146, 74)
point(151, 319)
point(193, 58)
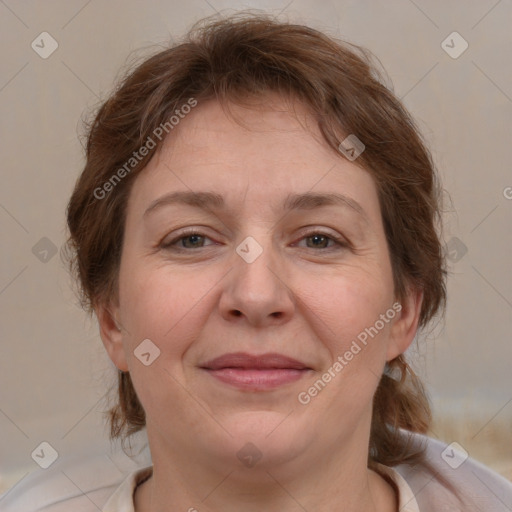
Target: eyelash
point(340, 242)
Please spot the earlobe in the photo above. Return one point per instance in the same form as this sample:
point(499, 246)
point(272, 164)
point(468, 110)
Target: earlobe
point(405, 324)
point(111, 335)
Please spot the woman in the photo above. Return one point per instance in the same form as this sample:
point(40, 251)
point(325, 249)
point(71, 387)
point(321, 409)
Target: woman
point(255, 230)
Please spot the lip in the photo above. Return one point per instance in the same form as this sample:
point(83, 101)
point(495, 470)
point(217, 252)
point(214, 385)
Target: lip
point(256, 372)
point(255, 362)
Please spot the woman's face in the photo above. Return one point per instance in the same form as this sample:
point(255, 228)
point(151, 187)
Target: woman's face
point(253, 241)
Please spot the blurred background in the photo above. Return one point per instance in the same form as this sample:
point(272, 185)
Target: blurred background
point(448, 62)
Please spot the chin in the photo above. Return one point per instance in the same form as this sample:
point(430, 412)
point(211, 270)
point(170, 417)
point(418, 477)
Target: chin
point(272, 437)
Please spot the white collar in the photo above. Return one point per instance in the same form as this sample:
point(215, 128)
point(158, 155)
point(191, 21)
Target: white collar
point(122, 499)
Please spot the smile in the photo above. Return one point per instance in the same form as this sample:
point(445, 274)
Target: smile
point(256, 373)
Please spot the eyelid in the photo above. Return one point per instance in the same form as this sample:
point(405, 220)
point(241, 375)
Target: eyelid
point(183, 234)
point(336, 238)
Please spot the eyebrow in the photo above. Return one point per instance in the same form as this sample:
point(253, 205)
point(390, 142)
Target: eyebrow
point(214, 201)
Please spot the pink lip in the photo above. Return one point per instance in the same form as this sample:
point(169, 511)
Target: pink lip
point(256, 373)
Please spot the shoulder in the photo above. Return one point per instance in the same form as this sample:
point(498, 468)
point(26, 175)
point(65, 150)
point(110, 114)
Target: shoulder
point(449, 480)
point(81, 485)
point(122, 499)
point(446, 480)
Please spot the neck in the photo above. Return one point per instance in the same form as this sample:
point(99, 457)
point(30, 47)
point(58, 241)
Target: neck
point(342, 482)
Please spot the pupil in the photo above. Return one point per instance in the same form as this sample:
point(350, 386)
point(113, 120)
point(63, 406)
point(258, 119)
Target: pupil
point(193, 238)
point(317, 238)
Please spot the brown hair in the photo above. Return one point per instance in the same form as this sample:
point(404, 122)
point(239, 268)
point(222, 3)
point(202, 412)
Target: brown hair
point(246, 56)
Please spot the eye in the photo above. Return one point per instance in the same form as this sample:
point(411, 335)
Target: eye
point(321, 240)
point(194, 239)
point(187, 240)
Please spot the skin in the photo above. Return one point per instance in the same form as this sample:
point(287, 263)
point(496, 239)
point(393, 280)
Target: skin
point(303, 297)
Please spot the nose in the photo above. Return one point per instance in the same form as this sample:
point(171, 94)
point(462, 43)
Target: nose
point(257, 292)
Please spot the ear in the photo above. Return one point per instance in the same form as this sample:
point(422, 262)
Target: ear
point(405, 323)
point(111, 334)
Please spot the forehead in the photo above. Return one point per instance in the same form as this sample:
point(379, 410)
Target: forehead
point(262, 151)
point(260, 125)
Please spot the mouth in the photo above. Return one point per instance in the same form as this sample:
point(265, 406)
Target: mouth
point(256, 373)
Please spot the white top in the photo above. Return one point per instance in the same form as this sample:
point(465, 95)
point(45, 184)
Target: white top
point(445, 481)
point(122, 499)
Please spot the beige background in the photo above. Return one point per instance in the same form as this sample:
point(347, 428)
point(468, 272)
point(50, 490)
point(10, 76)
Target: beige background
point(53, 371)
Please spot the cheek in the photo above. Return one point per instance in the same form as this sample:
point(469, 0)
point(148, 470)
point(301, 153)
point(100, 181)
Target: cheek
point(346, 304)
point(348, 322)
point(166, 307)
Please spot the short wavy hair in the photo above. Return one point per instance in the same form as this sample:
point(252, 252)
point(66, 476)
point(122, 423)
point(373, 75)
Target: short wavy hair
point(231, 59)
